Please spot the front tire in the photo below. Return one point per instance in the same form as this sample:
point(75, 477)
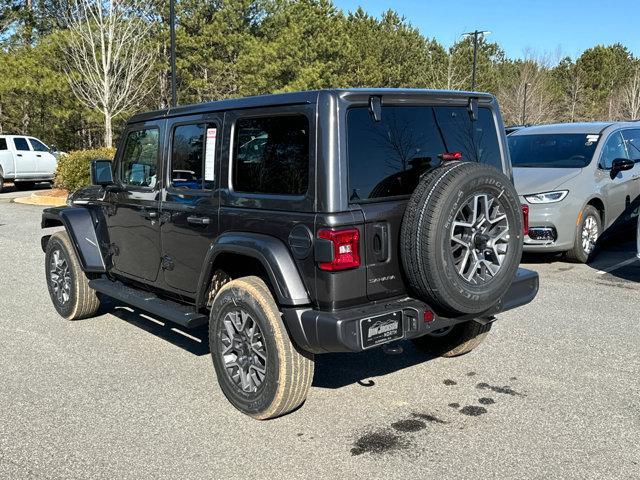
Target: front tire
point(68, 284)
point(453, 341)
point(588, 233)
point(260, 371)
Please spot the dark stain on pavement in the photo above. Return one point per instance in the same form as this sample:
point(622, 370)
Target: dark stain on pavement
point(376, 443)
point(454, 405)
point(486, 401)
point(449, 382)
point(471, 374)
point(428, 417)
point(507, 390)
point(473, 410)
point(408, 425)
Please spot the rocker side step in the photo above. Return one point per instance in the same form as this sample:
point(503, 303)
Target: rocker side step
point(166, 309)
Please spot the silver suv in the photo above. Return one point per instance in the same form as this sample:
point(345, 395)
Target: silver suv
point(578, 179)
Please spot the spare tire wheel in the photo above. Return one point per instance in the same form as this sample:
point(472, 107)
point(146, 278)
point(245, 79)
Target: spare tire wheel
point(461, 238)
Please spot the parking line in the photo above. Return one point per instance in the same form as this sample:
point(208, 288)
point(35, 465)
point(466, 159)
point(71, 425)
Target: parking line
point(617, 266)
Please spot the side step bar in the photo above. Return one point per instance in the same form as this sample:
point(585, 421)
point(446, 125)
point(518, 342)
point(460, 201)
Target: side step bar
point(174, 312)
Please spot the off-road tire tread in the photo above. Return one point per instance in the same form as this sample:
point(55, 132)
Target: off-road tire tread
point(86, 300)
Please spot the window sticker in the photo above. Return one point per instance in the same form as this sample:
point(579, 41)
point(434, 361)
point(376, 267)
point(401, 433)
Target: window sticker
point(210, 155)
point(591, 139)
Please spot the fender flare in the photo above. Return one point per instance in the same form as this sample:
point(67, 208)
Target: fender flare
point(270, 252)
point(79, 224)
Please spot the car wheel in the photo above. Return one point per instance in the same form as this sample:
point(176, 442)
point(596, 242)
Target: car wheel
point(588, 233)
point(260, 371)
point(1, 183)
point(453, 341)
point(461, 238)
point(68, 284)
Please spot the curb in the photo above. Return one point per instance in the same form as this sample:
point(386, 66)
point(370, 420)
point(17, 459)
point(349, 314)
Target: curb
point(39, 199)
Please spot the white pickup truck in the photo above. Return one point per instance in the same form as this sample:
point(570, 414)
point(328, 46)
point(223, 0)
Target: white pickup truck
point(25, 161)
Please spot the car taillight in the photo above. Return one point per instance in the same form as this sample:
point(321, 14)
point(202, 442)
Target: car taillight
point(525, 218)
point(345, 249)
point(448, 156)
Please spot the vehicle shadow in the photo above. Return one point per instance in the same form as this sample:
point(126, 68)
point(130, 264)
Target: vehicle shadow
point(332, 370)
point(336, 370)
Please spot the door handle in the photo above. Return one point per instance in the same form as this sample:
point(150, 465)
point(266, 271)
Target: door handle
point(38, 155)
point(19, 154)
point(199, 220)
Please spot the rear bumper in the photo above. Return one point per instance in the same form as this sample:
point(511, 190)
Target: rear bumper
point(319, 331)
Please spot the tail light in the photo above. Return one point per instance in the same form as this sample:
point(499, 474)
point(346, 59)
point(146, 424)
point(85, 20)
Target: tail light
point(448, 156)
point(346, 252)
point(525, 219)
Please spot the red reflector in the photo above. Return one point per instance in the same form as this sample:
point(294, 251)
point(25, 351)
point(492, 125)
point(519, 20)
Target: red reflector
point(451, 156)
point(429, 316)
point(345, 249)
point(525, 218)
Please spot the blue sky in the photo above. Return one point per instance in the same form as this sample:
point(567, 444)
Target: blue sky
point(544, 26)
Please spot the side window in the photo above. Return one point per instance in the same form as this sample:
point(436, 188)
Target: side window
point(3, 144)
point(21, 144)
point(613, 148)
point(271, 155)
point(38, 146)
point(192, 156)
point(632, 142)
point(138, 166)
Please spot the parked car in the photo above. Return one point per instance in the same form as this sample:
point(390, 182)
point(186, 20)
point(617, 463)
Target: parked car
point(324, 221)
point(514, 128)
point(579, 180)
point(25, 161)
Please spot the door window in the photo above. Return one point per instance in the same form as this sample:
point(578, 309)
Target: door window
point(632, 142)
point(38, 146)
point(271, 155)
point(3, 144)
point(613, 148)
point(140, 158)
point(21, 144)
point(192, 157)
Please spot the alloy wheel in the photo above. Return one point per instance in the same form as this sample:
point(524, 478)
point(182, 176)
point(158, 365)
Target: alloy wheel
point(479, 238)
point(243, 350)
point(60, 276)
point(589, 234)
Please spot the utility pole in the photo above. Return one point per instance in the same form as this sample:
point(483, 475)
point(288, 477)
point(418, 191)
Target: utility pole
point(172, 28)
point(475, 34)
point(524, 103)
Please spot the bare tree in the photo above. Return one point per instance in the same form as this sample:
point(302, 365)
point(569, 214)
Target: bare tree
point(108, 59)
point(540, 108)
point(629, 97)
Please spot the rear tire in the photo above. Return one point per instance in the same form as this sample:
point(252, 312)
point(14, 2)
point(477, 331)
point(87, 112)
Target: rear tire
point(459, 340)
point(588, 232)
point(260, 371)
point(1, 183)
point(68, 285)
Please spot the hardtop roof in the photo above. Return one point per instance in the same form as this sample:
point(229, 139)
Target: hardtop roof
point(292, 98)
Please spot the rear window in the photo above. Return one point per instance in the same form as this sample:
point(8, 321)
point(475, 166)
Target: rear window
point(21, 144)
point(3, 144)
point(564, 150)
point(387, 158)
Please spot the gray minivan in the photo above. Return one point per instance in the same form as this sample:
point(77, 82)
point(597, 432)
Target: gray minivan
point(578, 179)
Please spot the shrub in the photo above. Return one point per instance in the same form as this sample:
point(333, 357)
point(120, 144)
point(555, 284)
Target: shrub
point(73, 169)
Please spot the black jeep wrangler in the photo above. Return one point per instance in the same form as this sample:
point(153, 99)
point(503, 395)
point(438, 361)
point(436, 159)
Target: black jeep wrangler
point(298, 224)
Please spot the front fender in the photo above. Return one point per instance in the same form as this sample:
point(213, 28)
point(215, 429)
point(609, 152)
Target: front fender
point(270, 252)
point(80, 226)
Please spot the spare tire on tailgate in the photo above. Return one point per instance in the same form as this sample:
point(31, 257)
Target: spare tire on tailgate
point(461, 238)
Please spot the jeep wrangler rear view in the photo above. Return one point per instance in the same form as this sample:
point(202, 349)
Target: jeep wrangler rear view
point(299, 224)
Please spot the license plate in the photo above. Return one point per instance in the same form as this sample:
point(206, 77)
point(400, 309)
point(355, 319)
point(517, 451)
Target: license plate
point(381, 329)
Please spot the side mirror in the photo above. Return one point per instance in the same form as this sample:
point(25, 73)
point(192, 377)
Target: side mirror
point(101, 173)
point(620, 165)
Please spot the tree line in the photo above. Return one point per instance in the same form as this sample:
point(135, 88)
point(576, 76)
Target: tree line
point(71, 71)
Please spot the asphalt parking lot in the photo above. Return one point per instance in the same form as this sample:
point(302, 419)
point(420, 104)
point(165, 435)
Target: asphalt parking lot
point(553, 393)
